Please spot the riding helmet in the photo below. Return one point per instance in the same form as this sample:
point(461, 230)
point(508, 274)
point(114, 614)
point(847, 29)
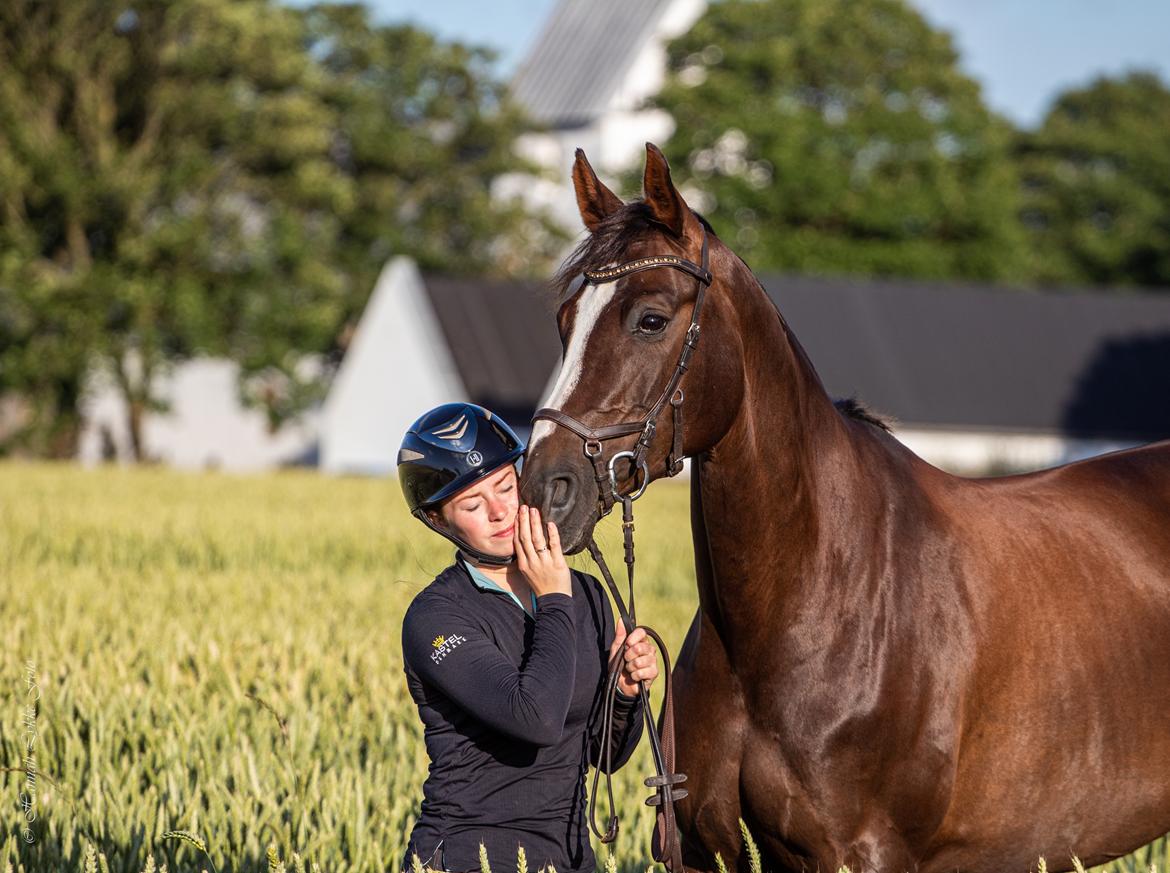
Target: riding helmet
point(446, 450)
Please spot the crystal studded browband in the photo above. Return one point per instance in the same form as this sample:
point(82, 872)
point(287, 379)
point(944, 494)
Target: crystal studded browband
point(649, 263)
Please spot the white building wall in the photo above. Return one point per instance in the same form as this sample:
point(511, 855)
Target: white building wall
point(979, 453)
point(206, 426)
point(615, 141)
point(397, 367)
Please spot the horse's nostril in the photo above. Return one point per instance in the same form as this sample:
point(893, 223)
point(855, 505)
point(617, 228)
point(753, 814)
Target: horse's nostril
point(559, 493)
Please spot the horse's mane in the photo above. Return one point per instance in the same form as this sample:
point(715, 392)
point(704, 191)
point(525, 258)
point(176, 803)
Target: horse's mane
point(609, 241)
point(851, 407)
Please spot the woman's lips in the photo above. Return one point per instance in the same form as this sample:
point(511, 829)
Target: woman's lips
point(504, 533)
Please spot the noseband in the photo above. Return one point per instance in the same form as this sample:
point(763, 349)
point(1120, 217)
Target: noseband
point(604, 473)
point(667, 846)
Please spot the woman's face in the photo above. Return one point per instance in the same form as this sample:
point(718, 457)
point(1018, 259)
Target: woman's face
point(484, 513)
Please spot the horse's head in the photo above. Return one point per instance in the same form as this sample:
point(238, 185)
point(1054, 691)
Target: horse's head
point(623, 329)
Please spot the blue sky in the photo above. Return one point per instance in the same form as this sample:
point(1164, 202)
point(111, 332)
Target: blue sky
point(1022, 51)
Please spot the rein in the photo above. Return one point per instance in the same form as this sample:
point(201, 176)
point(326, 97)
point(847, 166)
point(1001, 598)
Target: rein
point(667, 844)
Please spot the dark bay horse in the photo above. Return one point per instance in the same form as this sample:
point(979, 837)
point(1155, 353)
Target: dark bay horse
point(891, 667)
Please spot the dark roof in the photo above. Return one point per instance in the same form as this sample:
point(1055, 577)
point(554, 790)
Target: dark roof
point(503, 337)
point(1092, 364)
point(580, 58)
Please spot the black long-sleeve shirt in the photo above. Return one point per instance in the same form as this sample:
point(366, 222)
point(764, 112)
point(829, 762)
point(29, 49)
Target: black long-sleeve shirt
point(510, 706)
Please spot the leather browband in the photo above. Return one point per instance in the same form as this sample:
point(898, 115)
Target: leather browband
point(640, 264)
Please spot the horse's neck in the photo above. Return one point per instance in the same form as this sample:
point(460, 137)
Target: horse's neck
point(773, 488)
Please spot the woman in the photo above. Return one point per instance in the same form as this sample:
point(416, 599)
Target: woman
point(506, 654)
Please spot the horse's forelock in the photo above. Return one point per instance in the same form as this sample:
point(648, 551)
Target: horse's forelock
point(607, 245)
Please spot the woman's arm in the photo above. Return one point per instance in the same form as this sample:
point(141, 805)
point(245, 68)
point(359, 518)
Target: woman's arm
point(449, 650)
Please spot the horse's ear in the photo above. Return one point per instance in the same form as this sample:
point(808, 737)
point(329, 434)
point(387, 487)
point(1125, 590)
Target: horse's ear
point(594, 200)
point(666, 205)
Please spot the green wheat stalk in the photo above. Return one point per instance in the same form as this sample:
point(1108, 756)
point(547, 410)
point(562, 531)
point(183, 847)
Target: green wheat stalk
point(282, 723)
point(753, 850)
point(193, 840)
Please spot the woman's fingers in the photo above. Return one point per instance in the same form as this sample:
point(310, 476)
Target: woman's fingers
point(641, 661)
point(554, 543)
point(639, 654)
point(619, 635)
point(517, 546)
point(525, 525)
point(642, 666)
point(539, 546)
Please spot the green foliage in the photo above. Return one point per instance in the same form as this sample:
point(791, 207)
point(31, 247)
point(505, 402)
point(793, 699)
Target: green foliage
point(425, 130)
point(1096, 184)
point(227, 177)
point(839, 136)
point(168, 166)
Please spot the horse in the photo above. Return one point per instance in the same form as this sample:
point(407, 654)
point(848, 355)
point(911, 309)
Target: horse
point(891, 667)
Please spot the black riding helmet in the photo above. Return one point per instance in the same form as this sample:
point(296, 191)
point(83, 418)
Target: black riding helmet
point(446, 450)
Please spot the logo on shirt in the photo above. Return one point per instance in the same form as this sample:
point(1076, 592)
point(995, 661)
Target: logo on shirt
point(445, 645)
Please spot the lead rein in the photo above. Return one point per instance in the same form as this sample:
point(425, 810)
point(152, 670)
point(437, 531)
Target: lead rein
point(661, 747)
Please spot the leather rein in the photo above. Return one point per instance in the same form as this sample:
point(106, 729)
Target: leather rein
point(668, 846)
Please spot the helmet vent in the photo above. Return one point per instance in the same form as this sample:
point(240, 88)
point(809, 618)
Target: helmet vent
point(452, 430)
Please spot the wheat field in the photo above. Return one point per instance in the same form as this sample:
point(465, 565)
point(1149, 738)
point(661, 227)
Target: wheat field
point(208, 669)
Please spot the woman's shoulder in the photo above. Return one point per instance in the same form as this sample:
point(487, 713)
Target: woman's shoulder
point(588, 583)
point(596, 600)
point(439, 610)
point(442, 596)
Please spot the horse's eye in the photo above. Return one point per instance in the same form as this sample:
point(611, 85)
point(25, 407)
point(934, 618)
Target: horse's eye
point(652, 323)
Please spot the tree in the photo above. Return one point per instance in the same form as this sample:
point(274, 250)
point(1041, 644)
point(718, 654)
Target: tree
point(167, 168)
point(1096, 185)
point(839, 136)
point(226, 177)
point(423, 131)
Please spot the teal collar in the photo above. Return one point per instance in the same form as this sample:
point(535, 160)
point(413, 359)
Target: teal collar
point(485, 584)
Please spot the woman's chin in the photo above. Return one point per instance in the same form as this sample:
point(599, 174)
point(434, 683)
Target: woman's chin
point(496, 549)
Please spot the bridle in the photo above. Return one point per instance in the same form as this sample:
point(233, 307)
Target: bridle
point(593, 437)
point(667, 847)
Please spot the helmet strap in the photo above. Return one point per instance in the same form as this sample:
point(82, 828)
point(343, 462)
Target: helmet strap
point(480, 557)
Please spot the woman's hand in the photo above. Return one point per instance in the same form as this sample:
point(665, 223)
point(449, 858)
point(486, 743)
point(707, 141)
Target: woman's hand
point(639, 660)
point(539, 558)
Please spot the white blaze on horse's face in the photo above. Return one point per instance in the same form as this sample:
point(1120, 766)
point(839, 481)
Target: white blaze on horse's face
point(590, 304)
